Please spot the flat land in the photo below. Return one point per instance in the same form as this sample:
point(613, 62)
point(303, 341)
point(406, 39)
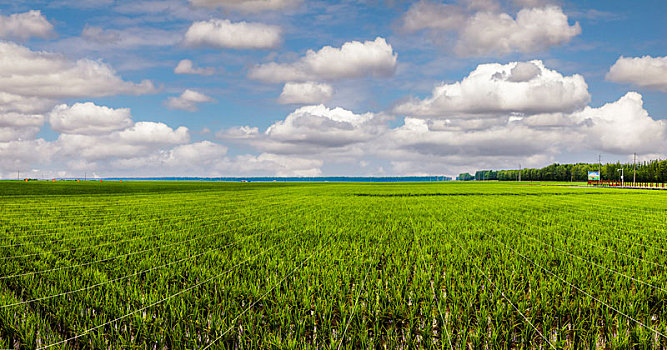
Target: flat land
point(175, 265)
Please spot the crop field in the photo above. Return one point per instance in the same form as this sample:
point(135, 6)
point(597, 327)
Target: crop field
point(199, 265)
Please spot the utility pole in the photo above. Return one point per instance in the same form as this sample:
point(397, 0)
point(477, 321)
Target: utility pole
point(600, 166)
point(634, 169)
point(519, 172)
point(18, 176)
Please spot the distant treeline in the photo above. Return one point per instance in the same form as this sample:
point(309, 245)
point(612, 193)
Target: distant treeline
point(651, 171)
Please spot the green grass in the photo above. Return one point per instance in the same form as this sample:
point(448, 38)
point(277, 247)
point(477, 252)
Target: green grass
point(185, 265)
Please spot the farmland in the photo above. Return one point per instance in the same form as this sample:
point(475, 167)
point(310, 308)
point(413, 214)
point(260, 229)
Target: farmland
point(331, 265)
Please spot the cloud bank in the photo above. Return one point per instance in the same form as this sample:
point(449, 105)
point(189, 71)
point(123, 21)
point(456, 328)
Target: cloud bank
point(353, 59)
point(646, 72)
point(222, 33)
point(25, 25)
point(479, 29)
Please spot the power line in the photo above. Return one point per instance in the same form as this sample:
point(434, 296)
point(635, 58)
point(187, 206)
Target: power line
point(430, 272)
point(132, 223)
point(161, 300)
point(175, 294)
point(267, 292)
point(120, 256)
point(581, 290)
point(495, 287)
point(356, 301)
point(92, 246)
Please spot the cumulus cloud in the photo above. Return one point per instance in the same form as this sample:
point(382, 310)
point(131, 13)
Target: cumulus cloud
point(32, 82)
point(93, 133)
point(183, 159)
point(17, 133)
point(305, 93)
point(100, 35)
point(18, 126)
point(88, 119)
point(248, 5)
point(25, 25)
point(311, 129)
point(498, 116)
point(207, 158)
point(24, 104)
point(623, 127)
point(532, 3)
point(187, 67)
point(280, 165)
point(21, 117)
point(517, 87)
point(97, 38)
point(141, 138)
point(352, 60)
point(43, 74)
point(620, 127)
point(22, 154)
point(534, 29)
point(188, 100)
point(222, 33)
point(21, 120)
point(479, 29)
point(647, 72)
point(502, 139)
point(427, 14)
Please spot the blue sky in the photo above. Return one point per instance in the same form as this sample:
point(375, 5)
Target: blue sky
point(291, 87)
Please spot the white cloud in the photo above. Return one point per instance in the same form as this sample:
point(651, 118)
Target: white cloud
point(16, 127)
point(623, 127)
point(88, 119)
point(96, 38)
point(311, 129)
point(498, 116)
point(248, 5)
point(187, 67)
point(206, 158)
point(140, 139)
point(352, 60)
point(647, 72)
point(154, 133)
point(223, 33)
point(533, 3)
point(22, 154)
point(21, 120)
point(517, 87)
point(23, 104)
point(427, 14)
point(305, 93)
point(32, 82)
point(12, 133)
point(100, 35)
point(279, 165)
point(49, 75)
point(25, 25)
point(189, 159)
point(479, 29)
point(429, 137)
point(199, 153)
point(188, 100)
point(535, 29)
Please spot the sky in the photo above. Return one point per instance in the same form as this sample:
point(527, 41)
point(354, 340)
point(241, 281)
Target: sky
point(103, 88)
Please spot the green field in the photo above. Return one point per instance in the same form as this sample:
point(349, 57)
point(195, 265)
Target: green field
point(175, 265)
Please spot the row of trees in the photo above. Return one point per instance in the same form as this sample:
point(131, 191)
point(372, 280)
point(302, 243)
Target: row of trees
point(651, 171)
